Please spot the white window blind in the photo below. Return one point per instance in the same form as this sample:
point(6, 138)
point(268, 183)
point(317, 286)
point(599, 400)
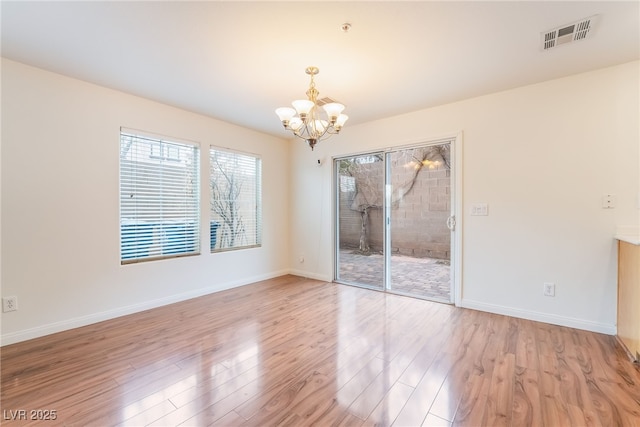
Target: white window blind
point(236, 200)
point(159, 198)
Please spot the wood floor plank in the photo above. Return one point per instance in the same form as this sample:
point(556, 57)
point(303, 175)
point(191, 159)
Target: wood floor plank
point(292, 351)
point(526, 409)
point(232, 419)
point(478, 364)
point(500, 402)
point(418, 405)
point(149, 415)
point(336, 409)
point(414, 373)
point(472, 406)
point(204, 411)
point(215, 387)
point(374, 393)
point(390, 406)
point(435, 421)
point(453, 388)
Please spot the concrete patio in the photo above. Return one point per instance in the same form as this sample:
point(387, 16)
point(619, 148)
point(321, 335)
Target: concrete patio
point(427, 278)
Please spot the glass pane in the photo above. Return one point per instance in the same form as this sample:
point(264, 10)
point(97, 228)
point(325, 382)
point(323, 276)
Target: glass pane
point(360, 192)
point(236, 200)
point(420, 206)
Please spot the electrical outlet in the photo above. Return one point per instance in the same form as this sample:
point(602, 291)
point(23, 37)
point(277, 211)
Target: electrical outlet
point(608, 201)
point(9, 304)
point(549, 290)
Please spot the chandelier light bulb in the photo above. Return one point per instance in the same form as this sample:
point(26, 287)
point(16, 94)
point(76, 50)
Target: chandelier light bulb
point(285, 113)
point(333, 110)
point(303, 106)
point(342, 118)
point(319, 126)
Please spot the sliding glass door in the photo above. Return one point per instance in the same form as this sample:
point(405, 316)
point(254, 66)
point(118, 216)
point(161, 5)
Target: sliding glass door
point(395, 221)
point(360, 235)
point(419, 209)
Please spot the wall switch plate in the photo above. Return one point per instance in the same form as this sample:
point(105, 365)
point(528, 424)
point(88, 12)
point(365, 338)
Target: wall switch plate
point(479, 209)
point(9, 304)
point(549, 289)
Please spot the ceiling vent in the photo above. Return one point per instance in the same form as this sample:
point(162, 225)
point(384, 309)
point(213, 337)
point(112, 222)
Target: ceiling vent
point(325, 100)
point(576, 31)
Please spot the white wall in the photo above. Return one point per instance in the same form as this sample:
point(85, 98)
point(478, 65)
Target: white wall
point(60, 226)
point(541, 156)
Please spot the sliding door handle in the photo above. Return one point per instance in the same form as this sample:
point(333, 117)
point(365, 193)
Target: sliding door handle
point(451, 223)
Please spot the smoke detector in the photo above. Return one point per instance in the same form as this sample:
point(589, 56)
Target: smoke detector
point(575, 31)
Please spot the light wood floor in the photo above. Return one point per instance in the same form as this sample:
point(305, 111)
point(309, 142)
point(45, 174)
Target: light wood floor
point(297, 352)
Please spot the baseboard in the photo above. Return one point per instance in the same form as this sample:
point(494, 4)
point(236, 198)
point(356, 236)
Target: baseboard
point(52, 328)
point(553, 319)
point(309, 275)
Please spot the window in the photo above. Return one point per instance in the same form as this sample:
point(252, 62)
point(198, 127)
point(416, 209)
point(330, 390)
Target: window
point(347, 184)
point(159, 198)
point(236, 200)
point(165, 151)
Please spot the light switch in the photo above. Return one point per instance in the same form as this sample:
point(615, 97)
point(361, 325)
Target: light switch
point(608, 201)
point(479, 209)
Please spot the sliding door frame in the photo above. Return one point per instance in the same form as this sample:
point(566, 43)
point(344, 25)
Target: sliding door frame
point(455, 140)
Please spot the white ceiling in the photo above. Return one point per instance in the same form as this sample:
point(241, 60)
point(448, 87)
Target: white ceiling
point(238, 61)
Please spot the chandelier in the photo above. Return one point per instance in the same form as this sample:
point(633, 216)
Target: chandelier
point(308, 124)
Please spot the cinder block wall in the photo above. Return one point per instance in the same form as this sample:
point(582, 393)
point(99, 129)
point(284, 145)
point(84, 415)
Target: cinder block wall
point(418, 218)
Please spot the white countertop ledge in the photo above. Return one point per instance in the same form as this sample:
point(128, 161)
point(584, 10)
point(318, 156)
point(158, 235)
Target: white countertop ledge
point(634, 239)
